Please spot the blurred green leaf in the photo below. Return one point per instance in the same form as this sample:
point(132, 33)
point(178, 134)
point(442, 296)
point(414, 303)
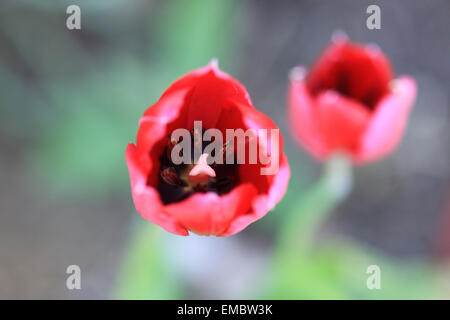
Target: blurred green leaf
point(83, 149)
point(338, 271)
point(191, 33)
point(145, 273)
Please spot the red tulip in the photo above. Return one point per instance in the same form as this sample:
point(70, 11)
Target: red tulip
point(349, 102)
point(207, 199)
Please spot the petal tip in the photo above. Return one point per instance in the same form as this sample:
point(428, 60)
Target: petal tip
point(129, 149)
point(214, 63)
point(339, 36)
point(297, 73)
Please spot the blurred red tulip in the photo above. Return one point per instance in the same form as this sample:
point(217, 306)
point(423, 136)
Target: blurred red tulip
point(220, 199)
point(349, 102)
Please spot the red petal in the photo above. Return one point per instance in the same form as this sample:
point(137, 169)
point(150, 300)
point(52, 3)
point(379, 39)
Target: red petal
point(236, 116)
point(209, 87)
point(303, 119)
point(209, 213)
point(146, 199)
point(264, 202)
point(341, 121)
point(388, 122)
point(154, 126)
point(191, 79)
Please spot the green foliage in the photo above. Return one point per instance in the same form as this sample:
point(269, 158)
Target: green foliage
point(145, 273)
point(196, 31)
point(338, 271)
point(83, 149)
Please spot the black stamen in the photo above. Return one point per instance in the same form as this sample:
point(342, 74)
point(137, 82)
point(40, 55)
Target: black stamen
point(170, 176)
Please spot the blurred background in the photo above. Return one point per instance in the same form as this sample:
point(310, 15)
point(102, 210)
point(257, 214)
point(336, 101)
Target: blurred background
point(70, 101)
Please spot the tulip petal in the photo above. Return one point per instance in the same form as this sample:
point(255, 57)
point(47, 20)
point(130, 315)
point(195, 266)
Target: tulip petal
point(389, 121)
point(341, 121)
point(303, 119)
point(146, 199)
point(154, 126)
point(208, 86)
point(190, 80)
point(207, 98)
point(209, 213)
point(239, 116)
point(263, 203)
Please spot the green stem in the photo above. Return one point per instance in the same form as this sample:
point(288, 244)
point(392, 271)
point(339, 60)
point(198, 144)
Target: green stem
point(315, 205)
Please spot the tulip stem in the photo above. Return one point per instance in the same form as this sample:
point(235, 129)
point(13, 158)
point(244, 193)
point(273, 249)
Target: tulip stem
point(314, 207)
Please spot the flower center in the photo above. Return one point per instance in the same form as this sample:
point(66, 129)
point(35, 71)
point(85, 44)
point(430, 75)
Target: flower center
point(343, 79)
point(179, 181)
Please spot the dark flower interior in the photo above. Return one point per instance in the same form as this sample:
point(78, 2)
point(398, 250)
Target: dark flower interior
point(173, 184)
point(353, 72)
